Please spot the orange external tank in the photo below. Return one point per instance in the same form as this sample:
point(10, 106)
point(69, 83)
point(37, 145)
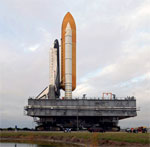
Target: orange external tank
point(68, 19)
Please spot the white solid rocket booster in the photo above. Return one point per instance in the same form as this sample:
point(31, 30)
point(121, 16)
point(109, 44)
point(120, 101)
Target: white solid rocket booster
point(68, 62)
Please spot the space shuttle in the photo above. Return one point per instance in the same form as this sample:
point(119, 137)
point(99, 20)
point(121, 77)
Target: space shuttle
point(68, 63)
point(53, 90)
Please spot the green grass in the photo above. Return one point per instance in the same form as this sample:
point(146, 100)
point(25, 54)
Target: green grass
point(142, 138)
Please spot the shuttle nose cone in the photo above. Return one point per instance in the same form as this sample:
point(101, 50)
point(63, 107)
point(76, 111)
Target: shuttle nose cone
point(68, 26)
point(68, 30)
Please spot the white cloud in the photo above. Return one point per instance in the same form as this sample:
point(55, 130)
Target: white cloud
point(34, 48)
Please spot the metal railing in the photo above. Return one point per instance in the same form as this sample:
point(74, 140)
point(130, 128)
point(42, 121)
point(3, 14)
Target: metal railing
point(95, 98)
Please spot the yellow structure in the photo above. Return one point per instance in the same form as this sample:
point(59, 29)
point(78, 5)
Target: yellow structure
point(68, 19)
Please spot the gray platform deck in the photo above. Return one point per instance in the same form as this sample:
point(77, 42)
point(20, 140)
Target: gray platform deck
point(82, 107)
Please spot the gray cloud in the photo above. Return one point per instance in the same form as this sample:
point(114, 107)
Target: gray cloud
point(112, 51)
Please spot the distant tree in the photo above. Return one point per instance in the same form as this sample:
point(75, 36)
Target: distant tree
point(26, 129)
point(10, 129)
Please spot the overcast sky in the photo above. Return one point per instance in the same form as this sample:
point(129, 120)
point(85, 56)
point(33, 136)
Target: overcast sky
point(113, 52)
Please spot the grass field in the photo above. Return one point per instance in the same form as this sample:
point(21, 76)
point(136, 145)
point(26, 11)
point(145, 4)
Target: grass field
point(80, 137)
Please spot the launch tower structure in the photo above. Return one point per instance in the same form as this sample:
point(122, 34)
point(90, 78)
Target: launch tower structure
point(51, 112)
